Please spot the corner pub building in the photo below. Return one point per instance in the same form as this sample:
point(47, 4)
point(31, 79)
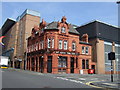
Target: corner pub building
point(55, 48)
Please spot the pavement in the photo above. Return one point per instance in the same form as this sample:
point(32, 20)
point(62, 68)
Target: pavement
point(93, 80)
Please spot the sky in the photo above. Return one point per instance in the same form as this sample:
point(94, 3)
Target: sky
point(77, 13)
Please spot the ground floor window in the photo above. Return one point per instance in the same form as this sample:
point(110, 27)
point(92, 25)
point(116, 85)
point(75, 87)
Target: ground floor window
point(85, 64)
point(62, 64)
point(62, 61)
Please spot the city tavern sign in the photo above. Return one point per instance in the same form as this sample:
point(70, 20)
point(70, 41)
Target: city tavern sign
point(69, 53)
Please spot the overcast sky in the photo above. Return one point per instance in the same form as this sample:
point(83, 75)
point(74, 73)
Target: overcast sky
point(77, 13)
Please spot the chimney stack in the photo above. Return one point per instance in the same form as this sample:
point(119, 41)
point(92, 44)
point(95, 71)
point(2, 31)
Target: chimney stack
point(85, 38)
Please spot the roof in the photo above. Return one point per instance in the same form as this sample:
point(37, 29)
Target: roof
point(99, 22)
point(30, 12)
point(101, 30)
point(7, 25)
point(81, 42)
point(53, 25)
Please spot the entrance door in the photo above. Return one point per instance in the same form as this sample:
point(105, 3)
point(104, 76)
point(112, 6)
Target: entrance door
point(36, 64)
point(33, 63)
point(49, 64)
point(72, 65)
point(41, 65)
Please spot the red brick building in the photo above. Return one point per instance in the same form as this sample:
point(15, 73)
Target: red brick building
point(55, 48)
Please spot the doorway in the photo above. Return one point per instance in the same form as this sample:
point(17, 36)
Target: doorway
point(33, 64)
point(41, 64)
point(49, 64)
point(72, 65)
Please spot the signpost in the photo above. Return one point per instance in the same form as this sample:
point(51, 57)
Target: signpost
point(111, 56)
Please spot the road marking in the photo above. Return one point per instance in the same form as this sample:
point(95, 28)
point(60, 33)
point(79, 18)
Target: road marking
point(110, 84)
point(94, 79)
point(89, 84)
point(69, 80)
point(82, 78)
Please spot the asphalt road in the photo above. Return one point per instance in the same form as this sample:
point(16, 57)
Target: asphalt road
point(19, 79)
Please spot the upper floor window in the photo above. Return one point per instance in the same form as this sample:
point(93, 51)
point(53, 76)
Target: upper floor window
point(60, 44)
point(36, 46)
point(42, 44)
point(87, 50)
point(73, 46)
point(65, 45)
point(63, 30)
point(39, 45)
point(52, 43)
point(49, 43)
point(83, 50)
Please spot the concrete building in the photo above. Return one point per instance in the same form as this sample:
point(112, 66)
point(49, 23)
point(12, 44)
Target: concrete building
point(16, 32)
point(55, 48)
point(101, 36)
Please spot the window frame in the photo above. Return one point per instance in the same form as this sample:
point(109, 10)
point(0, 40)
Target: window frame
point(65, 44)
point(83, 49)
point(53, 43)
point(87, 50)
point(73, 46)
point(48, 43)
point(63, 30)
point(60, 42)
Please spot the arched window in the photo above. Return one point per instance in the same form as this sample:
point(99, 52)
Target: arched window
point(63, 30)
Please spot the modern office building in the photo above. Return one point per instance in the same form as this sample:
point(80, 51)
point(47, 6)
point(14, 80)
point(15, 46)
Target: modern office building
point(16, 33)
point(55, 48)
point(101, 36)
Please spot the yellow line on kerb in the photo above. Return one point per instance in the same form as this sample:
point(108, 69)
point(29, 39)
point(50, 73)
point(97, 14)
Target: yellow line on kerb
point(88, 83)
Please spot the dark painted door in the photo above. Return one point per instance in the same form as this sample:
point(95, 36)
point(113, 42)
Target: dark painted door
point(72, 65)
point(41, 65)
point(49, 64)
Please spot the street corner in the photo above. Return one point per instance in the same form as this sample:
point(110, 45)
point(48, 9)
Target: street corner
point(104, 85)
point(93, 84)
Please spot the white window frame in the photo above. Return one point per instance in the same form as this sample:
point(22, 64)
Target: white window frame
point(83, 49)
point(73, 45)
point(49, 43)
point(39, 45)
point(65, 45)
point(60, 44)
point(63, 30)
point(87, 50)
point(53, 43)
point(42, 44)
point(36, 46)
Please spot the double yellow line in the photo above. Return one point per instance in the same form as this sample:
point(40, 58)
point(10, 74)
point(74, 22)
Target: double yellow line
point(89, 84)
